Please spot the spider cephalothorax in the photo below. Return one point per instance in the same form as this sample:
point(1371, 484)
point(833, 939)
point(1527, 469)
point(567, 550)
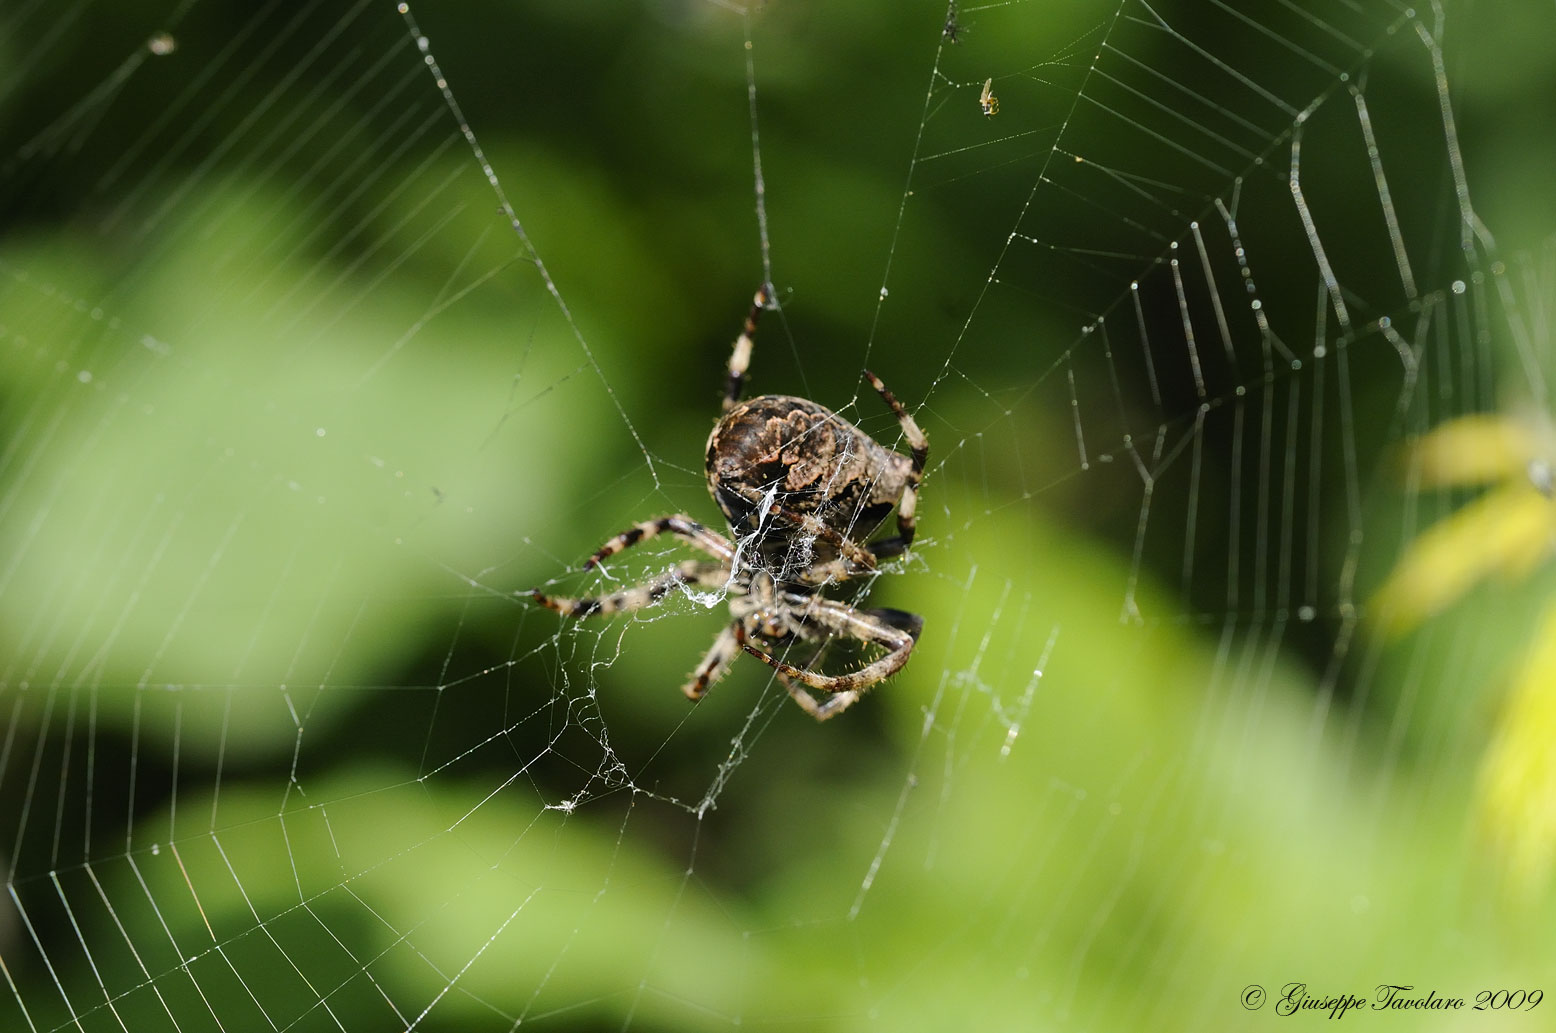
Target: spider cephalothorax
point(802, 489)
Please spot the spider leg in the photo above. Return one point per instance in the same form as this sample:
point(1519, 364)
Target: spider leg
point(894, 630)
point(636, 597)
point(828, 573)
point(740, 358)
point(835, 704)
point(678, 524)
point(918, 444)
point(715, 663)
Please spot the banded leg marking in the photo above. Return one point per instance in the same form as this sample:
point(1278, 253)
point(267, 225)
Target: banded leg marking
point(678, 524)
point(714, 664)
point(918, 444)
point(636, 597)
point(740, 357)
point(894, 630)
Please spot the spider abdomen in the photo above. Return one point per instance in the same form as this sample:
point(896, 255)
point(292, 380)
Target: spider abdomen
point(807, 459)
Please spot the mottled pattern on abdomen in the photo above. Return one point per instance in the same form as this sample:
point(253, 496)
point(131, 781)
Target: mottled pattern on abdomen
point(820, 463)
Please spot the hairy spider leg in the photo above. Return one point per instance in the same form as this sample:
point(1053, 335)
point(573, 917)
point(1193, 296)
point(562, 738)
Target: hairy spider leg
point(834, 705)
point(678, 524)
point(918, 444)
point(820, 711)
point(878, 627)
point(636, 597)
point(740, 357)
point(714, 664)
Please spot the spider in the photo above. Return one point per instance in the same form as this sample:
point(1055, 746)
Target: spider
point(802, 490)
point(952, 28)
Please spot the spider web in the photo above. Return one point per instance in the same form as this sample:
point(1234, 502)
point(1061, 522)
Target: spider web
point(326, 333)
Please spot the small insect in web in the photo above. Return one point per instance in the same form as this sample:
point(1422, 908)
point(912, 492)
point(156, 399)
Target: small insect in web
point(952, 28)
point(802, 489)
point(987, 101)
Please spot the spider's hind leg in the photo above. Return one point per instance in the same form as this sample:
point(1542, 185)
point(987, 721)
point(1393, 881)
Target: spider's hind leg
point(740, 356)
point(678, 524)
point(918, 444)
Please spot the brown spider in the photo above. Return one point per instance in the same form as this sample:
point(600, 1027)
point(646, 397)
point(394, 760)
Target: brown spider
point(802, 489)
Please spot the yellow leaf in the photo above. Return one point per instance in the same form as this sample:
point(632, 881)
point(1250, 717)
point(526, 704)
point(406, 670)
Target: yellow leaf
point(1508, 530)
point(1475, 449)
point(1517, 800)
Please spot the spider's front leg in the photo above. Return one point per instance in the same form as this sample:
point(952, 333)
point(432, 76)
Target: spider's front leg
point(894, 630)
point(714, 664)
point(636, 597)
point(835, 704)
